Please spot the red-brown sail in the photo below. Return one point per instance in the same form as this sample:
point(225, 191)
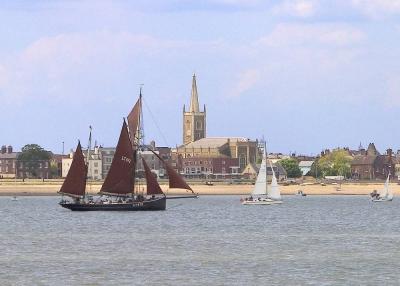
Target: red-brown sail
point(134, 119)
point(153, 188)
point(175, 180)
point(75, 183)
point(119, 178)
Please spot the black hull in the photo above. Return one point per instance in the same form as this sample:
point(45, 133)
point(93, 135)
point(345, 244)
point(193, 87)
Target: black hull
point(147, 205)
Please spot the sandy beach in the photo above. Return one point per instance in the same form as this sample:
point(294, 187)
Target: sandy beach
point(50, 188)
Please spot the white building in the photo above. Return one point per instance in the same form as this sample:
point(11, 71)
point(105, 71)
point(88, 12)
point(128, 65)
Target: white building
point(95, 164)
point(305, 166)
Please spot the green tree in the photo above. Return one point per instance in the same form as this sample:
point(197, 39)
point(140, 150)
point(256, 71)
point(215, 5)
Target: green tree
point(336, 163)
point(291, 167)
point(31, 156)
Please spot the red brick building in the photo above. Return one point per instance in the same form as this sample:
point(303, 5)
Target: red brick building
point(203, 167)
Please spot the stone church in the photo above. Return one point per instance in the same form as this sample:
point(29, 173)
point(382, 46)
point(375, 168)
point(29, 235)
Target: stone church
point(194, 121)
point(211, 156)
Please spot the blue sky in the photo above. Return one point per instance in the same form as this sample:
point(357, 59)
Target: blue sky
point(306, 74)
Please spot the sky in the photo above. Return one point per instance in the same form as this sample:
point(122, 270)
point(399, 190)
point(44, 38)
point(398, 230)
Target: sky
point(305, 74)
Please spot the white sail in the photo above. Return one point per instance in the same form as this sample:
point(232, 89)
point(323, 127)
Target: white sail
point(260, 187)
point(273, 191)
point(387, 193)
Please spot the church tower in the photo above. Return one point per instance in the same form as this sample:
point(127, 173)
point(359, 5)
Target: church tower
point(194, 121)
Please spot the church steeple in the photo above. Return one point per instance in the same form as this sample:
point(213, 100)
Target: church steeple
point(194, 121)
point(194, 99)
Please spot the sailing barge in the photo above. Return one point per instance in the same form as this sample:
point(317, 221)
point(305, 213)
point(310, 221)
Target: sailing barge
point(119, 191)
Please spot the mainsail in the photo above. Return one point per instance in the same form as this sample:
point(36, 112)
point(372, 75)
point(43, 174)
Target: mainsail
point(75, 183)
point(175, 180)
point(134, 121)
point(153, 188)
point(387, 193)
point(273, 191)
point(260, 187)
point(119, 178)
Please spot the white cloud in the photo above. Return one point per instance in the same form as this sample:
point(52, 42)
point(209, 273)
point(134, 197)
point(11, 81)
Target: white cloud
point(312, 34)
point(246, 80)
point(56, 66)
point(297, 8)
point(377, 8)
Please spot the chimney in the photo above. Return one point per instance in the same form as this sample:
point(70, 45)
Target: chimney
point(389, 152)
point(9, 149)
point(3, 149)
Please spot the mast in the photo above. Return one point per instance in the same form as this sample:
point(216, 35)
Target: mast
point(134, 123)
point(266, 173)
point(88, 154)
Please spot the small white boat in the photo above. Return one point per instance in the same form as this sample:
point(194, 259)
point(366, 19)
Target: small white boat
point(261, 194)
point(386, 195)
point(14, 198)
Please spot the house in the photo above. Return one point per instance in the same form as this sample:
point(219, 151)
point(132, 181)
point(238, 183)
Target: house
point(8, 160)
point(372, 165)
point(94, 167)
point(251, 171)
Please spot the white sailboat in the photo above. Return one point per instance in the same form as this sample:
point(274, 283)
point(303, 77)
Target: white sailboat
point(386, 195)
point(261, 194)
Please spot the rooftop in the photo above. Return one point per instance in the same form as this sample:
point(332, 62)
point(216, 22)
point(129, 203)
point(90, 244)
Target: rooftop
point(12, 155)
point(214, 142)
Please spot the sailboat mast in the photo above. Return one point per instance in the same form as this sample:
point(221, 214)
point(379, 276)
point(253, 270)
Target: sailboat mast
point(88, 154)
point(266, 167)
point(136, 142)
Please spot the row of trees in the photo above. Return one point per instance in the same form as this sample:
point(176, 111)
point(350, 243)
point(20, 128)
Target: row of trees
point(32, 155)
point(336, 163)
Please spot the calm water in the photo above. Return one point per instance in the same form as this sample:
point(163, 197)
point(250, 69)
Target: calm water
point(209, 241)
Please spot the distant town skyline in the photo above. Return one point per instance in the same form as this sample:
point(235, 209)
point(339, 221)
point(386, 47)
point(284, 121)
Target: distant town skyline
point(305, 74)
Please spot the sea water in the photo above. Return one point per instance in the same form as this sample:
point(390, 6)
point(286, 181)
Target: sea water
point(213, 240)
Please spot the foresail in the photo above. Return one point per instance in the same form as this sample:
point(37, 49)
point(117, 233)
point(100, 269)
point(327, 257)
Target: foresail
point(273, 191)
point(75, 183)
point(175, 180)
point(260, 187)
point(119, 178)
point(153, 188)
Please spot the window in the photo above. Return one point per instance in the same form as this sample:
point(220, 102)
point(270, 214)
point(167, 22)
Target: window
point(95, 164)
point(198, 125)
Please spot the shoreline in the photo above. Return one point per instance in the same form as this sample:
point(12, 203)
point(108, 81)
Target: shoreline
point(46, 189)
